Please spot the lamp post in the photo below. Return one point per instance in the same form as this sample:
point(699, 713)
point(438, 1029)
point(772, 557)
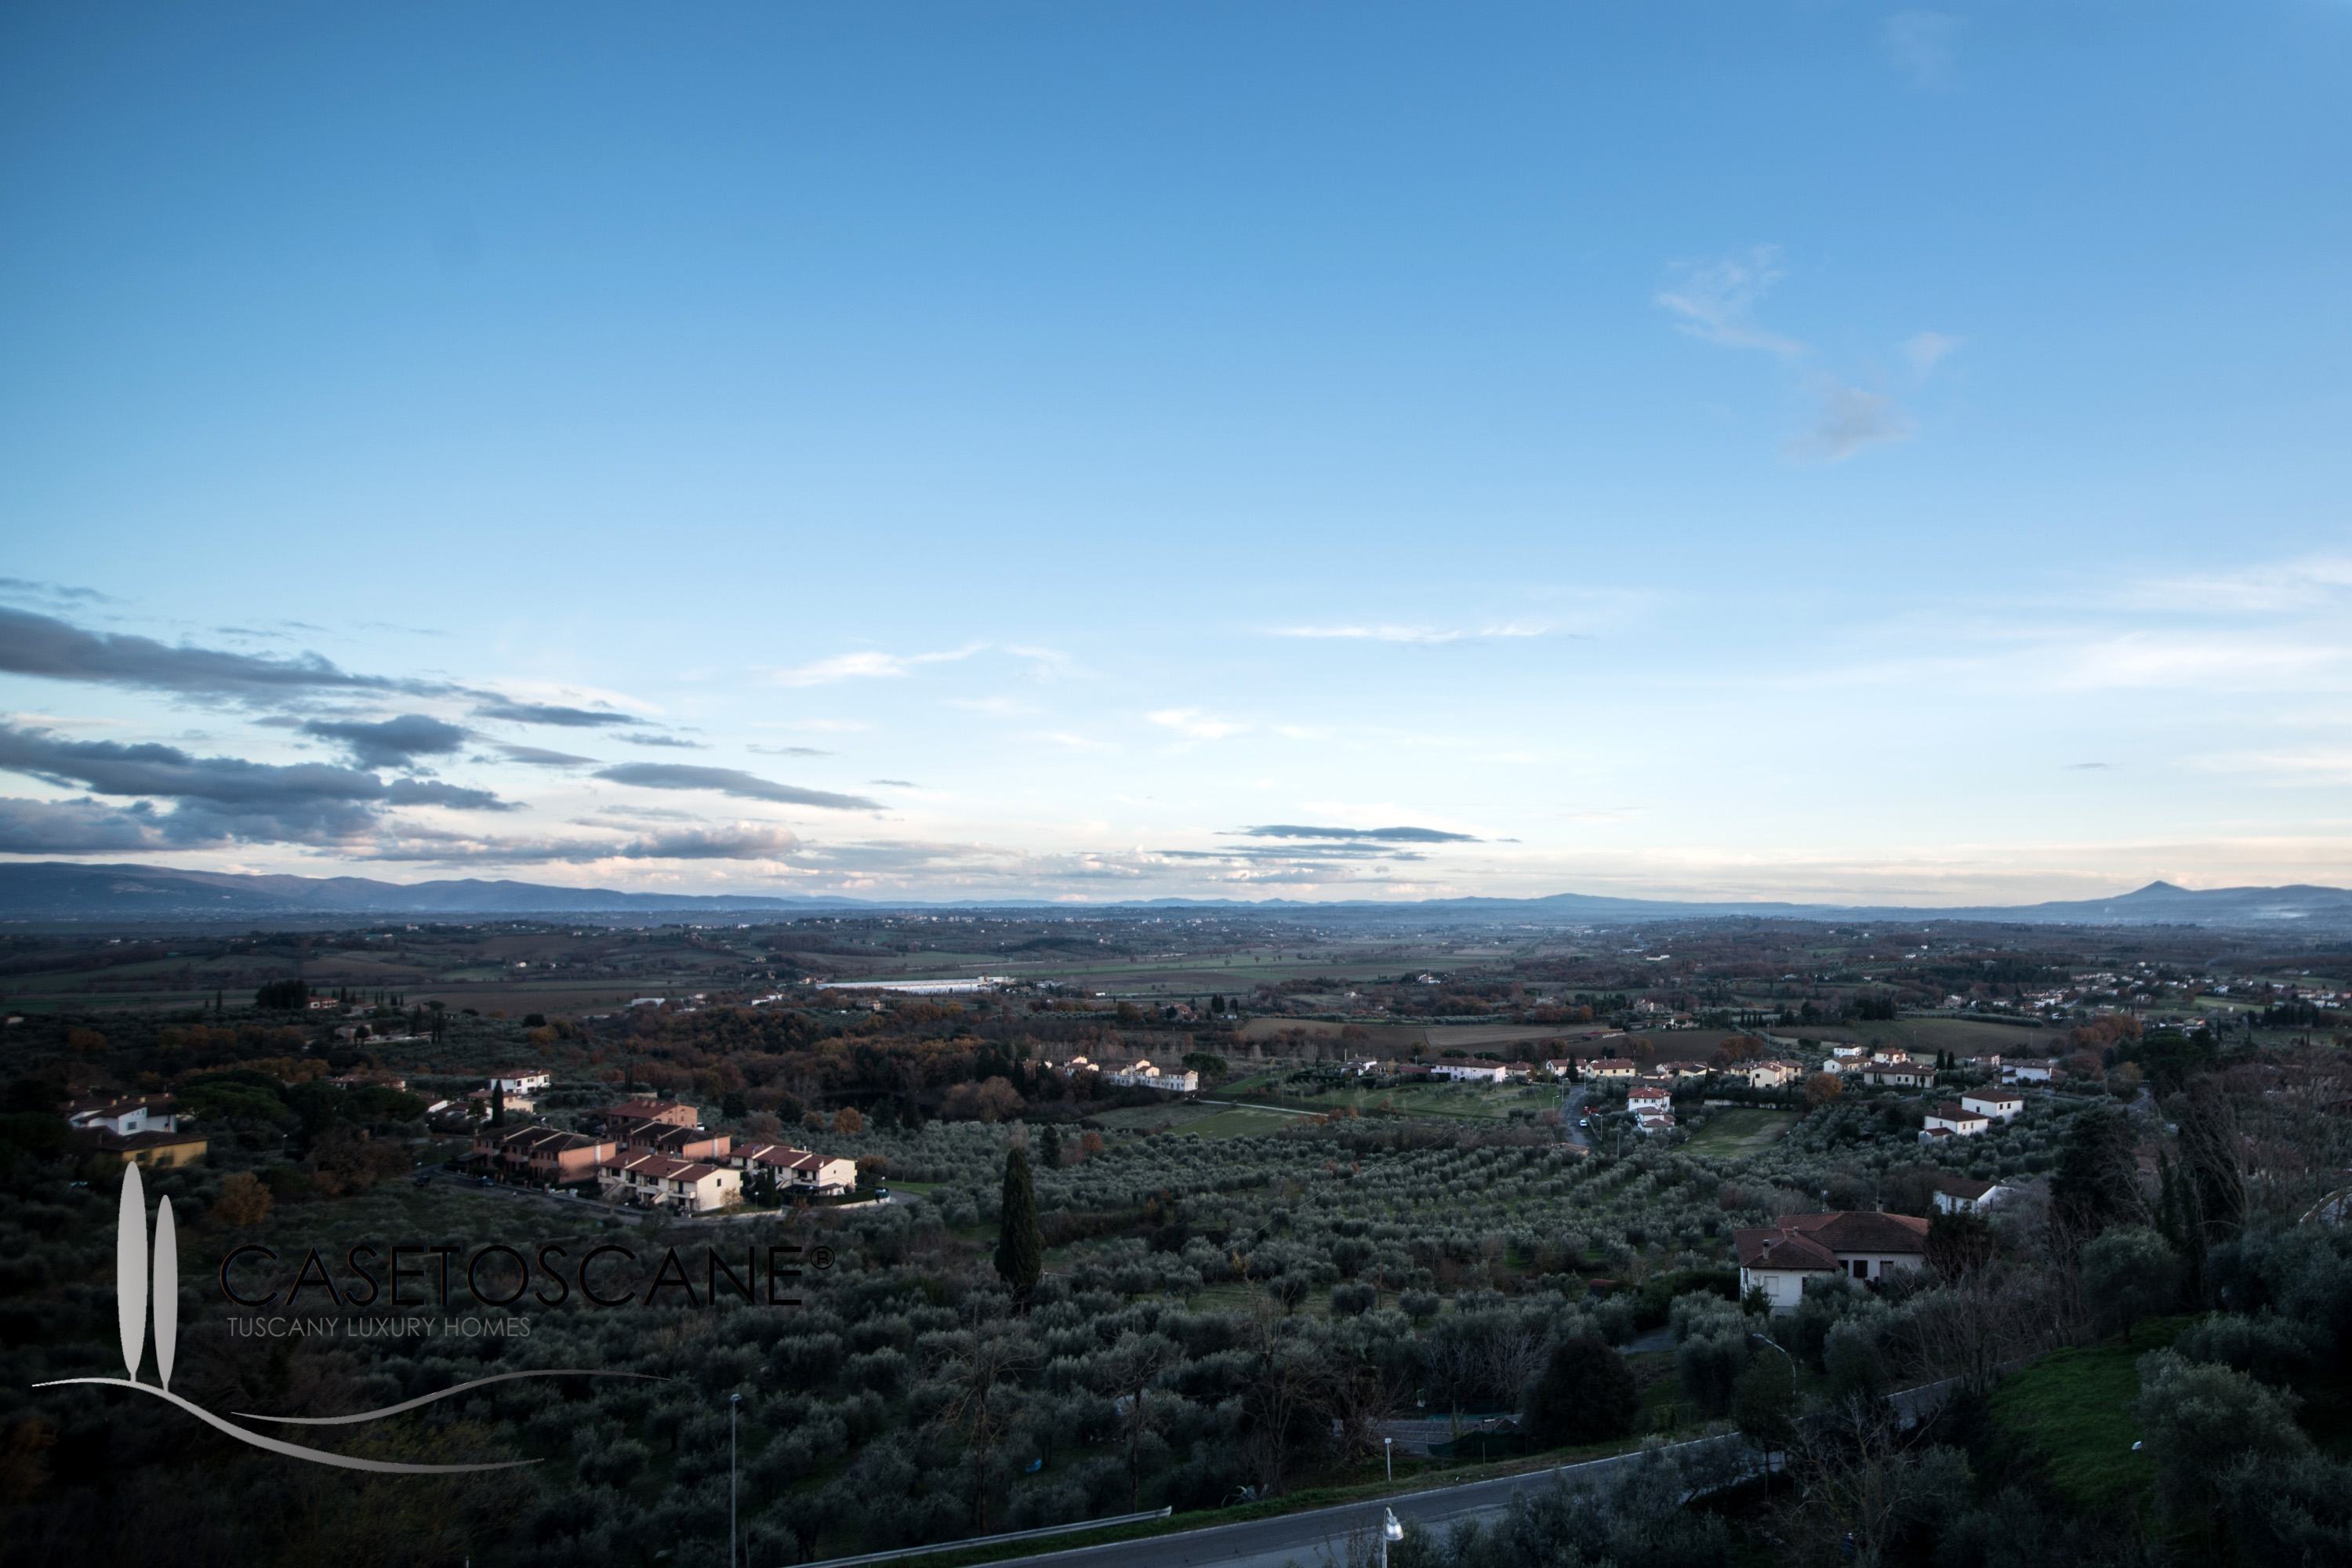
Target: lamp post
point(734, 1410)
point(1388, 1452)
point(1390, 1531)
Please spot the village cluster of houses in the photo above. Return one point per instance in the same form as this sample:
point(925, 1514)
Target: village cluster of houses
point(1911, 1069)
point(655, 1154)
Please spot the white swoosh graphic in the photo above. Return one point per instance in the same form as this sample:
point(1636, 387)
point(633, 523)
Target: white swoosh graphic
point(444, 1394)
point(291, 1450)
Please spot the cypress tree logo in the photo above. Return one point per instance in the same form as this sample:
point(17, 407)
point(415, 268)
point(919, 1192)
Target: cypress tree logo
point(134, 1276)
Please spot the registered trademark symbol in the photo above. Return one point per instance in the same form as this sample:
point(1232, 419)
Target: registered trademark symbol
point(824, 1258)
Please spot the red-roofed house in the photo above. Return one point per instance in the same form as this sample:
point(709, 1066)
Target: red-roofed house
point(668, 1111)
point(1855, 1244)
point(798, 1172)
point(1958, 1120)
point(656, 1181)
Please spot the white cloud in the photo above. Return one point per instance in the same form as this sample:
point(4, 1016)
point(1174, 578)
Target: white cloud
point(1388, 632)
point(1192, 722)
point(1925, 46)
point(1927, 350)
point(1715, 302)
point(1047, 663)
point(1849, 418)
point(869, 664)
point(2310, 581)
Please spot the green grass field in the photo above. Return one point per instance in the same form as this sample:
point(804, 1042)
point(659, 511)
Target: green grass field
point(2069, 1408)
point(1732, 1133)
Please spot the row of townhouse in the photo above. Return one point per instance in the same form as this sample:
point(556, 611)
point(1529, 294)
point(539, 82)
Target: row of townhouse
point(700, 1185)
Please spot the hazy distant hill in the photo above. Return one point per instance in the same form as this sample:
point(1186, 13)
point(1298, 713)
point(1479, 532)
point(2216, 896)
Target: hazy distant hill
point(54, 889)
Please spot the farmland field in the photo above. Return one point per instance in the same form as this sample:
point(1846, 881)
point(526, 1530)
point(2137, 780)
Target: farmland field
point(1732, 1133)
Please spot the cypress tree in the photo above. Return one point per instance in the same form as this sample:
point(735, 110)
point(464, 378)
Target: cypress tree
point(1021, 1246)
point(1050, 1147)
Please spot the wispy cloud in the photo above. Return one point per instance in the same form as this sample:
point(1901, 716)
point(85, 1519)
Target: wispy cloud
point(1382, 835)
point(729, 781)
point(540, 757)
point(2306, 583)
point(1924, 47)
point(1715, 302)
point(1848, 418)
point(1423, 635)
point(869, 665)
point(1926, 351)
point(1192, 722)
point(739, 841)
point(791, 752)
point(517, 712)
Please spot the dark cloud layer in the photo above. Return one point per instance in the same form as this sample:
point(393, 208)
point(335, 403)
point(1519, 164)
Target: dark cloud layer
point(218, 799)
point(1380, 835)
point(40, 645)
point(728, 781)
point(392, 742)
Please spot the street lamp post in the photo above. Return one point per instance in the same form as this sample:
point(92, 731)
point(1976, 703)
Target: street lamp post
point(734, 1410)
point(1388, 1452)
point(1390, 1531)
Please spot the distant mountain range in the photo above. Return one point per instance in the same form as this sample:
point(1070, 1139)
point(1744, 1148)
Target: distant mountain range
point(56, 889)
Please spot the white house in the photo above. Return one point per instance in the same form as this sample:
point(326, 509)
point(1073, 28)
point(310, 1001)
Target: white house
point(1471, 1072)
point(2024, 1072)
point(1648, 1098)
point(1778, 1258)
point(1961, 1194)
point(517, 1081)
point(124, 1117)
point(1143, 1075)
point(1907, 1075)
point(1606, 1066)
point(1992, 1103)
point(1768, 1074)
point(1958, 1120)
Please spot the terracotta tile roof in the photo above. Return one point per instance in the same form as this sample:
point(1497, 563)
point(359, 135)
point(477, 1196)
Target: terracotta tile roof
point(1861, 1231)
point(1770, 1247)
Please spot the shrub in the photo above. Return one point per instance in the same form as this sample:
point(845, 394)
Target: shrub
point(2195, 1415)
point(2265, 1347)
point(1708, 1368)
point(2296, 1510)
point(2130, 1273)
point(1585, 1392)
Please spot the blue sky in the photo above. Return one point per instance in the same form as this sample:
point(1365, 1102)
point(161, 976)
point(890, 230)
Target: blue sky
point(1817, 450)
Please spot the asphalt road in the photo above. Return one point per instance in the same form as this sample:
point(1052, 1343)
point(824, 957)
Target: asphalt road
point(1308, 1539)
point(1315, 1539)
